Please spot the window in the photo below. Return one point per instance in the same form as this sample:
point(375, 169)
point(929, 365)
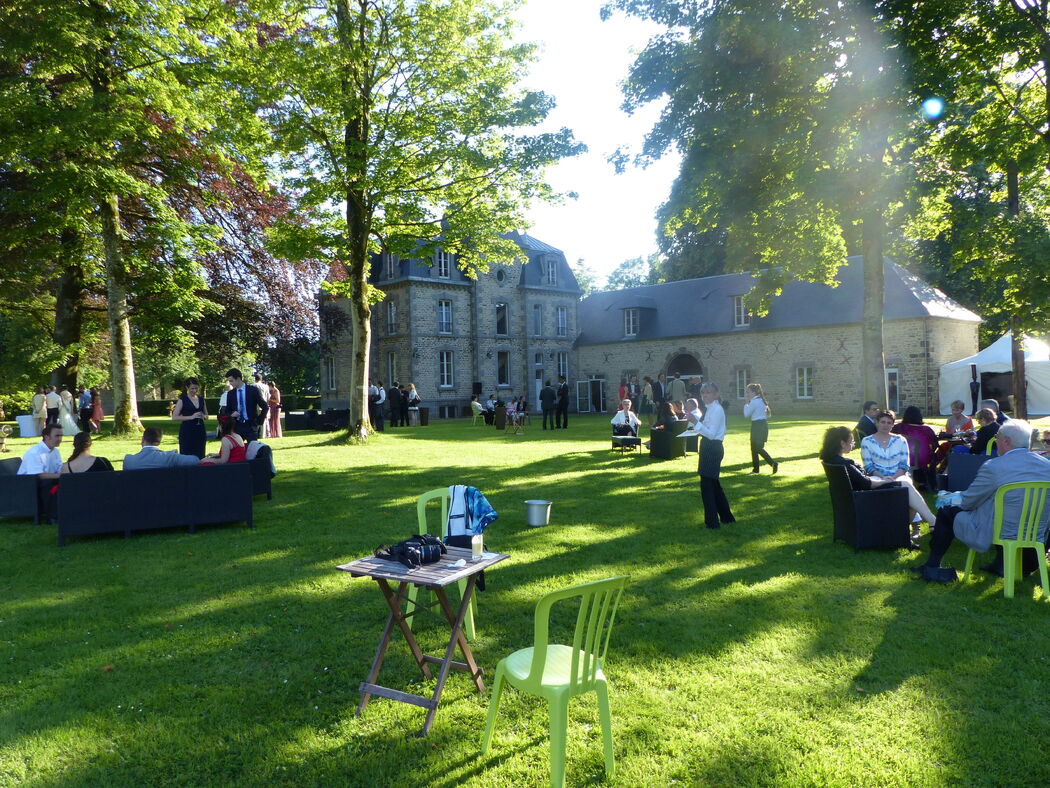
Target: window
point(443, 264)
point(741, 317)
point(563, 321)
point(893, 401)
point(390, 265)
point(501, 319)
point(503, 368)
point(445, 378)
point(630, 322)
point(391, 367)
point(391, 317)
point(550, 271)
point(538, 359)
point(804, 382)
point(329, 373)
point(537, 320)
point(743, 377)
point(444, 317)
point(563, 365)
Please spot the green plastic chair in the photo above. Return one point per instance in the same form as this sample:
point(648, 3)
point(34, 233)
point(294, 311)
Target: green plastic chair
point(441, 494)
point(558, 672)
point(990, 447)
point(1027, 533)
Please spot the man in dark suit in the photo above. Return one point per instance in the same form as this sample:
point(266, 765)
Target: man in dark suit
point(548, 398)
point(150, 455)
point(245, 405)
point(866, 425)
point(660, 388)
point(393, 398)
point(561, 416)
point(972, 523)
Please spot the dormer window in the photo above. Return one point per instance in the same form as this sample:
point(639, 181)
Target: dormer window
point(390, 262)
point(443, 265)
point(630, 322)
point(550, 271)
point(741, 316)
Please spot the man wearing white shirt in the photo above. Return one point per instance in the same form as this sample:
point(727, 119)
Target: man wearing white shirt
point(43, 459)
point(53, 402)
point(713, 432)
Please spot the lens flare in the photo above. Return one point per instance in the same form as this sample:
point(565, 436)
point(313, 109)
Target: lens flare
point(932, 108)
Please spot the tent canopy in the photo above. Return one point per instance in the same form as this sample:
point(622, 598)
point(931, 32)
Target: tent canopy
point(956, 375)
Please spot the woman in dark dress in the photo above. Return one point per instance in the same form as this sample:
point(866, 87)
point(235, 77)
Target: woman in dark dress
point(191, 411)
point(838, 442)
point(82, 460)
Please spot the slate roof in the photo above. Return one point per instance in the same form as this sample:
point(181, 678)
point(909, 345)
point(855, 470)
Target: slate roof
point(696, 307)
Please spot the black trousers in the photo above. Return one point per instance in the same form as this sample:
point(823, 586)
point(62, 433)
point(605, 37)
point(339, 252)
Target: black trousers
point(561, 415)
point(52, 416)
point(548, 415)
point(716, 505)
point(759, 436)
point(944, 535)
point(248, 430)
point(85, 419)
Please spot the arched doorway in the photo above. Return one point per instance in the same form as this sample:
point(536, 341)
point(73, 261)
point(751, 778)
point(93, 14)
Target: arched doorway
point(686, 365)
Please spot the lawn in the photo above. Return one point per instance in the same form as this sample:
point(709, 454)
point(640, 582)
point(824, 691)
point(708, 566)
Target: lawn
point(760, 654)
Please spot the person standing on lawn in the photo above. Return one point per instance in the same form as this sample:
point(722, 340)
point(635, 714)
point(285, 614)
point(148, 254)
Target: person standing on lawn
point(245, 406)
point(756, 410)
point(548, 398)
point(562, 412)
point(712, 431)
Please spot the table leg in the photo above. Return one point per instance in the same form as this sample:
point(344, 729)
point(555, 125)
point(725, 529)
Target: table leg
point(384, 641)
point(394, 601)
point(450, 650)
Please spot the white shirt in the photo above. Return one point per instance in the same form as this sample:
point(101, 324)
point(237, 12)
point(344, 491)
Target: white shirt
point(52, 399)
point(625, 417)
point(382, 395)
point(755, 409)
point(714, 424)
point(264, 390)
point(695, 416)
point(40, 459)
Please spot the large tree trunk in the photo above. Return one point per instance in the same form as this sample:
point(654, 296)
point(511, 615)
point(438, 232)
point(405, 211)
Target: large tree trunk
point(122, 368)
point(1019, 378)
point(874, 359)
point(69, 310)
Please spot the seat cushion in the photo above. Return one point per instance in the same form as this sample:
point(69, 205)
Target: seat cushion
point(555, 673)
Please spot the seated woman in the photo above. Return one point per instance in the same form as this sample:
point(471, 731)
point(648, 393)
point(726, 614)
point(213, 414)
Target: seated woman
point(922, 437)
point(1043, 446)
point(82, 460)
point(958, 421)
point(838, 442)
point(665, 418)
point(231, 446)
point(625, 422)
point(958, 431)
point(989, 427)
point(884, 454)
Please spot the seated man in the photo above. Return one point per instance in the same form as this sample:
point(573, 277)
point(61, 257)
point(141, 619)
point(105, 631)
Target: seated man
point(866, 426)
point(150, 455)
point(993, 406)
point(973, 522)
point(44, 461)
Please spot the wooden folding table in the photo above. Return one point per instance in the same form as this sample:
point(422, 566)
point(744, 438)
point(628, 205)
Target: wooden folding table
point(435, 577)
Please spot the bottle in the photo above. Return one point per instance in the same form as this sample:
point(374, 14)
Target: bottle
point(477, 547)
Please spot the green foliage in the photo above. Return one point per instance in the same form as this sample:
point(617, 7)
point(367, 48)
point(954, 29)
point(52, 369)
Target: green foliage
point(586, 277)
point(295, 365)
point(633, 273)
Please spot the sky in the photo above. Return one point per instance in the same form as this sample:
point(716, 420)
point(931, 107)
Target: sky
point(581, 61)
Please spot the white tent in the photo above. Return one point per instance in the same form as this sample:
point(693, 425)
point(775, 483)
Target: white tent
point(955, 375)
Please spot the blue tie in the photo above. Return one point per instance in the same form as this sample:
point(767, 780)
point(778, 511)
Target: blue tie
point(240, 404)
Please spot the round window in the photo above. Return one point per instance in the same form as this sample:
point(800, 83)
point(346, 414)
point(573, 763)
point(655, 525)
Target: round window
point(501, 275)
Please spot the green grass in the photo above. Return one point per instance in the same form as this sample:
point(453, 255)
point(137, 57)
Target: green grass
point(761, 654)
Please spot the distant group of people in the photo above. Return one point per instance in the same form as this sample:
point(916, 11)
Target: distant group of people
point(647, 396)
point(890, 451)
point(57, 405)
point(391, 404)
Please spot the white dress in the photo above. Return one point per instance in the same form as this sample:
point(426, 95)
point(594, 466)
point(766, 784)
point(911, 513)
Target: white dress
point(66, 417)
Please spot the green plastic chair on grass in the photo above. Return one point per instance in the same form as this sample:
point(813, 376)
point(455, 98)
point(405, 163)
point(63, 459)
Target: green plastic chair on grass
point(990, 447)
point(440, 494)
point(1032, 508)
point(558, 672)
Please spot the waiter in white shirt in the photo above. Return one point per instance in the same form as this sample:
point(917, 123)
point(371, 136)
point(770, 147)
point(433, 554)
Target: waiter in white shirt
point(44, 461)
point(713, 431)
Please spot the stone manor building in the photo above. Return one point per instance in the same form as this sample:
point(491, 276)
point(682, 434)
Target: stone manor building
point(503, 333)
point(521, 324)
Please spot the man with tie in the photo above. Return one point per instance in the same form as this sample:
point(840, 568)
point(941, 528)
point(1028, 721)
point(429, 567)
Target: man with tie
point(245, 406)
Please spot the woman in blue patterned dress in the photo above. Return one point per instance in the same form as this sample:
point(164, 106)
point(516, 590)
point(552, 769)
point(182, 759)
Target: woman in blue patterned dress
point(885, 454)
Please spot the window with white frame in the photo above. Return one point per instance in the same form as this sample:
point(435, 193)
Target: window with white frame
point(503, 368)
point(804, 382)
point(391, 317)
point(445, 377)
point(390, 266)
point(329, 373)
point(563, 365)
point(563, 321)
point(391, 367)
point(444, 316)
point(630, 322)
point(550, 271)
point(741, 317)
point(502, 321)
point(443, 264)
point(743, 378)
point(537, 320)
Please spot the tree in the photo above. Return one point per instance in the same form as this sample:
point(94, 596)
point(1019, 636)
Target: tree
point(986, 159)
point(632, 273)
point(396, 118)
point(788, 119)
point(586, 277)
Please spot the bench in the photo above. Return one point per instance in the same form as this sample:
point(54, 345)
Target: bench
point(18, 494)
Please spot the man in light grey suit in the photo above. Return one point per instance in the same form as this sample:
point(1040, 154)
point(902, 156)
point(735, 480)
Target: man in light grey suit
point(973, 522)
point(150, 456)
